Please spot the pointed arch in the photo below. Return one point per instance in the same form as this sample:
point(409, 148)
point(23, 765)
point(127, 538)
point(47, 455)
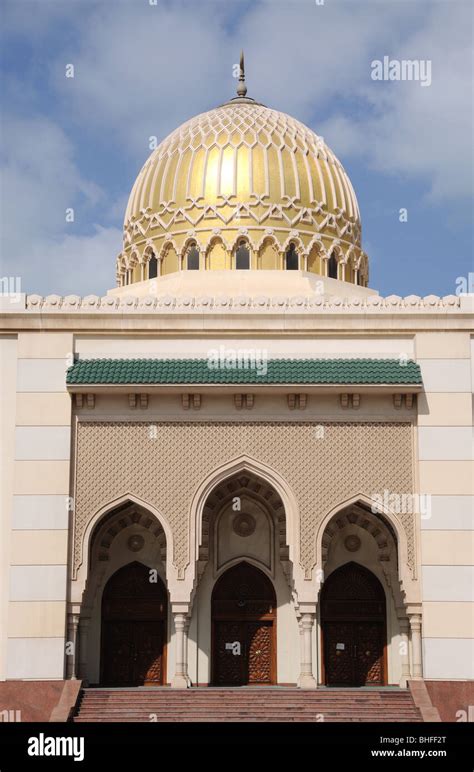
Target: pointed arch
point(190, 244)
point(150, 262)
point(242, 254)
point(246, 463)
point(296, 238)
point(353, 609)
point(292, 257)
point(333, 265)
point(80, 573)
point(232, 568)
point(387, 517)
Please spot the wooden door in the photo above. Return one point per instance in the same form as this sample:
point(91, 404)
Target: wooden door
point(258, 662)
point(149, 647)
point(353, 628)
point(228, 662)
point(133, 645)
point(244, 628)
point(368, 645)
point(338, 657)
point(118, 646)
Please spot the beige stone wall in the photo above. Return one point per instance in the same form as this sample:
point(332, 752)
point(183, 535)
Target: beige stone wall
point(38, 507)
point(8, 356)
point(446, 474)
point(363, 453)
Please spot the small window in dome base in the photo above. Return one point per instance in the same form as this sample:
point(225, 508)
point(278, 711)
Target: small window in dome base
point(292, 261)
point(152, 267)
point(193, 259)
point(242, 257)
point(332, 267)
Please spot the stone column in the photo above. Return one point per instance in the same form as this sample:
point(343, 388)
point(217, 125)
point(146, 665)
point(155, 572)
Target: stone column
point(187, 623)
point(307, 679)
point(181, 679)
point(72, 658)
point(415, 628)
point(405, 651)
point(83, 638)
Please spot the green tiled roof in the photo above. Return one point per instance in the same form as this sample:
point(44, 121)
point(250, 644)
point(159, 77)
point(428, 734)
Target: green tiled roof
point(283, 371)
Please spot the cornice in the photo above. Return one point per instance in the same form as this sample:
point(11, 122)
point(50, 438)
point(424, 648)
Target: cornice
point(314, 303)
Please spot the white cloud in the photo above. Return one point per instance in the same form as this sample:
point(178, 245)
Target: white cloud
point(421, 133)
point(141, 70)
point(39, 181)
point(79, 265)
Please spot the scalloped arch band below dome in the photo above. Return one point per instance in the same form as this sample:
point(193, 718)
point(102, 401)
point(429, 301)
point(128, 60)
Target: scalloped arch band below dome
point(266, 253)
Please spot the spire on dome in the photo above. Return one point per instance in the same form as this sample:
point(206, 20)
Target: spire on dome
point(242, 88)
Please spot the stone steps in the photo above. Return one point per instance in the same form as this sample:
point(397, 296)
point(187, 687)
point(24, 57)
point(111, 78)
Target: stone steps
point(245, 705)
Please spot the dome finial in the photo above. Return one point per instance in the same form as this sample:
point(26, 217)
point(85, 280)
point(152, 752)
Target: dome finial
point(242, 88)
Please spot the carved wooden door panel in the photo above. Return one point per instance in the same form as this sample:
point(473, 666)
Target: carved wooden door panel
point(148, 653)
point(369, 653)
point(353, 620)
point(243, 613)
point(133, 628)
point(118, 642)
point(338, 654)
point(229, 670)
point(259, 652)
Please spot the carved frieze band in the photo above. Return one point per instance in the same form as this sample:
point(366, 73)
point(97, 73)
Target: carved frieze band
point(315, 303)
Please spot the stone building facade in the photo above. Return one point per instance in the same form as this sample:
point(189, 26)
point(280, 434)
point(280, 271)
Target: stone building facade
point(241, 444)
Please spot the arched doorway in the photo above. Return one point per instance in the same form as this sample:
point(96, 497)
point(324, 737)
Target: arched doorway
point(133, 639)
point(353, 622)
point(243, 628)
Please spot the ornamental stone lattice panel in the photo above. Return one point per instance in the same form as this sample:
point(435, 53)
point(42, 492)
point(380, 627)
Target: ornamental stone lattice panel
point(165, 463)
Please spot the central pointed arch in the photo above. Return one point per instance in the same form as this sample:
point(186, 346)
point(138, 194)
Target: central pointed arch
point(248, 464)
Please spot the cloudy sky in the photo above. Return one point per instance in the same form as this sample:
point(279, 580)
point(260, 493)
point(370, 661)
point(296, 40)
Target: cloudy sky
point(142, 67)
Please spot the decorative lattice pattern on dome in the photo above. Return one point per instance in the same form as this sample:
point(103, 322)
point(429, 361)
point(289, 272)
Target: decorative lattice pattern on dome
point(248, 127)
point(165, 465)
point(242, 166)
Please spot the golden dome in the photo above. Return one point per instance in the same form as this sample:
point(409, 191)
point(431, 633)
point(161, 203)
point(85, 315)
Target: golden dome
point(242, 173)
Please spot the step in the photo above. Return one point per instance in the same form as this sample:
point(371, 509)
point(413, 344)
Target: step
point(249, 705)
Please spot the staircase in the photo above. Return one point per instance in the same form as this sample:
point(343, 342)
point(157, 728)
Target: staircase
point(245, 704)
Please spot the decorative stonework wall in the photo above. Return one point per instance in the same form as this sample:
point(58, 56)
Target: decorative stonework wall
point(114, 459)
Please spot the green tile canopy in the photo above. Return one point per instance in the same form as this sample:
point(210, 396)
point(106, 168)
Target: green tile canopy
point(273, 371)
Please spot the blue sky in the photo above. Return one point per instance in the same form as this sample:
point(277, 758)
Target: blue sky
point(142, 69)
